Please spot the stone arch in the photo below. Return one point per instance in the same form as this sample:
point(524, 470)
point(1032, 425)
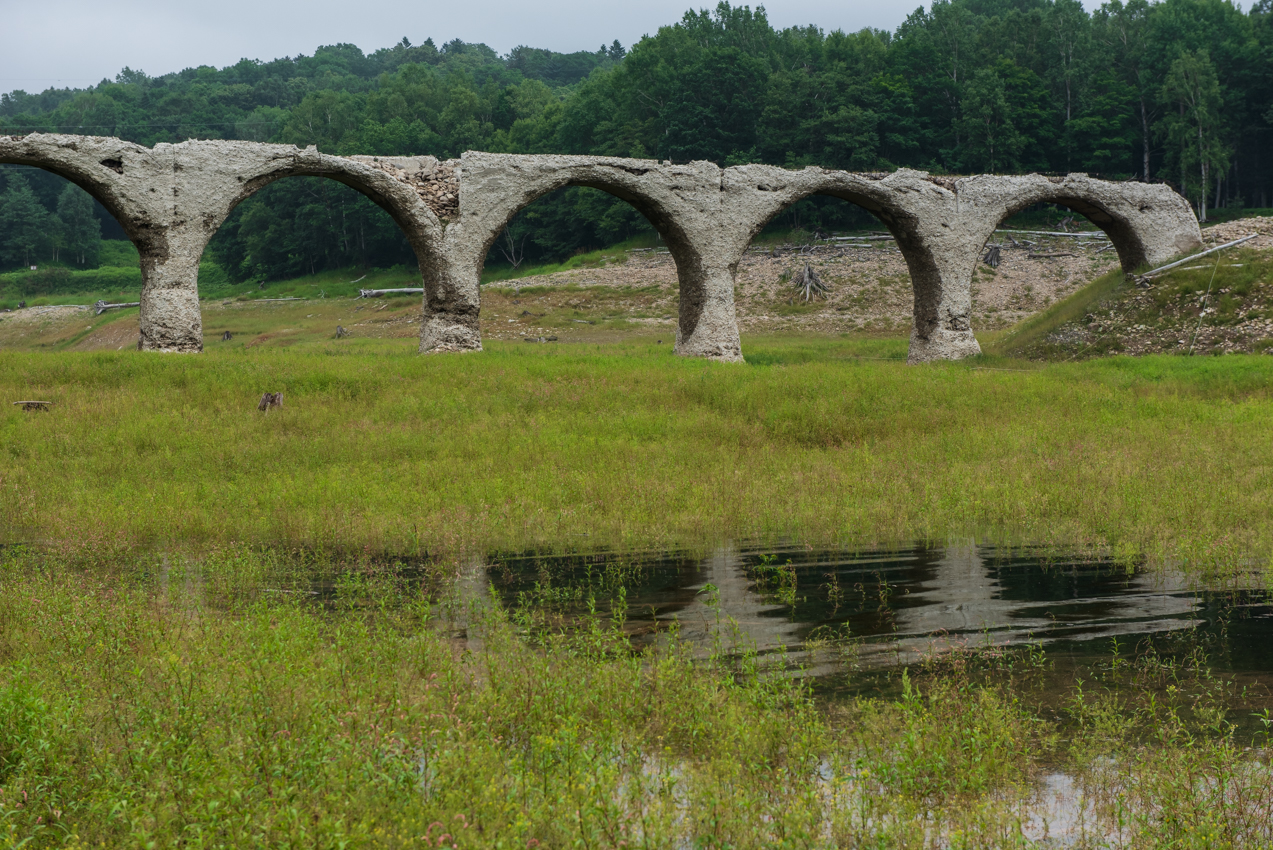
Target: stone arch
point(95, 164)
point(678, 201)
point(908, 203)
point(1147, 223)
point(450, 312)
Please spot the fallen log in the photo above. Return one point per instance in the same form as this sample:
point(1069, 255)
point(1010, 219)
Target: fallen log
point(376, 293)
point(1147, 275)
point(1081, 234)
point(1052, 254)
point(101, 306)
point(34, 405)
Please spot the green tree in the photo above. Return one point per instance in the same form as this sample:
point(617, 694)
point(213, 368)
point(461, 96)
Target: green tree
point(24, 223)
point(1193, 123)
point(990, 139)
point(81, 231)
point(1069, 34)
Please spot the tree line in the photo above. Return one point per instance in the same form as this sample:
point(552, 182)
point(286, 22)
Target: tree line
point(1178, 91)
point(66, 231)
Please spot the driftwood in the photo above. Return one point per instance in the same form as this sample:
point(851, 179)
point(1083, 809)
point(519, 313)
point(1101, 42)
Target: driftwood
point(270, 400)
point(101, 306)
point(1152, 272)
point(992, 256)
point(34, 405)
point(808, 284)
point(376, 293)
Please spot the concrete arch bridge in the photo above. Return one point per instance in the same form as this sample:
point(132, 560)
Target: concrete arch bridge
point(171, 199)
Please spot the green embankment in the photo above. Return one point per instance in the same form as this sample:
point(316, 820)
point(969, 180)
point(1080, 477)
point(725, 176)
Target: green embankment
point(1030, 331)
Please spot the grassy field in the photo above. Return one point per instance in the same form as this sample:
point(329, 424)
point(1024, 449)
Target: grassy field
point(159, 703)
point(223, 628)
point(828, 440)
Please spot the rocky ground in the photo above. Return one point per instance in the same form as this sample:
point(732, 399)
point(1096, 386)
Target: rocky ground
point(870, 290)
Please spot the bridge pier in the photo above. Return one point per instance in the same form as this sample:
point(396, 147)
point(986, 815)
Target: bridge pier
point(170, 319)
point(708, 324)
point(450, 318)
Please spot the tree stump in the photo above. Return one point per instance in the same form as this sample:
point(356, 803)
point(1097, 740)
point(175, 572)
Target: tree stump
point(227, 336)
point(341, 333)
point(808, 284)
point(270, 400)
point(992, 257)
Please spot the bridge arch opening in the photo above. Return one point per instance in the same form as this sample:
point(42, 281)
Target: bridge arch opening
point(344, 225)
point(705, 322)
point(63, 239)
point(611, 267)
point(1122, 234)
point(851, 242)
point(303, 226)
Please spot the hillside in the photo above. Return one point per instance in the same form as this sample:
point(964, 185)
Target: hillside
point(1220, 304)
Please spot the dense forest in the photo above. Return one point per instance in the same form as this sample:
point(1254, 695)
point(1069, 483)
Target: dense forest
point(1178, 91)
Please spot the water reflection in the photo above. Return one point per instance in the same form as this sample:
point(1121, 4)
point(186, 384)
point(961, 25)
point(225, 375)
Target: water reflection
point(897, 606)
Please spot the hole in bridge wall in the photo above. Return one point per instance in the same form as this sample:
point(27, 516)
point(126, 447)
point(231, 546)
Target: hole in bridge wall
point(1046, 217)
point(80, 252)
point(814, 217)
point(618, 278)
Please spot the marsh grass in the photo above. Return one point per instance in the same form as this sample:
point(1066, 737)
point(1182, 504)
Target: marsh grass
point(193, 702)
point(525, 447)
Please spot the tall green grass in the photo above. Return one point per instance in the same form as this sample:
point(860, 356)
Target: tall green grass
point(157, 702)
point(626, 444)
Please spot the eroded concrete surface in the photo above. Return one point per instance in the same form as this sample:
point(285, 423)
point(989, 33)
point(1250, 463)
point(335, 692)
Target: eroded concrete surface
point(171, 199)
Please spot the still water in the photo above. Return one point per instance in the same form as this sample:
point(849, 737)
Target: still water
point(894, 607)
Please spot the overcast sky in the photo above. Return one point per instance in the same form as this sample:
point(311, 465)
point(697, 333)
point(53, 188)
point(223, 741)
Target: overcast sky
point(76, 43)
